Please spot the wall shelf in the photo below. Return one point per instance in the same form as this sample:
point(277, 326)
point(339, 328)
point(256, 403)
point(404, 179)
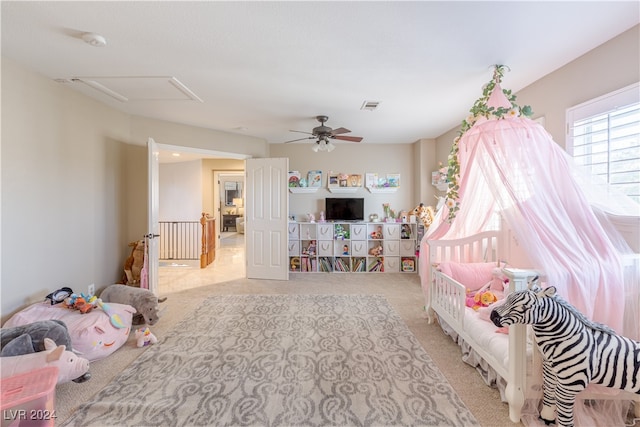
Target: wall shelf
point(303, 189)
point(343, 189)
point(383, 190)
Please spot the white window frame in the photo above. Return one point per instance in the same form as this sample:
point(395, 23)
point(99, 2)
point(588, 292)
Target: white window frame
point(608, 103)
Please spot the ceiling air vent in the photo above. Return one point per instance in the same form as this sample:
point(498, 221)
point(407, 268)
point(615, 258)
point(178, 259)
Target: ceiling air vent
point(370, 105)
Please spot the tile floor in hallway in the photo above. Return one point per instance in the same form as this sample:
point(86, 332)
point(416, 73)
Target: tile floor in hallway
point(229, 264)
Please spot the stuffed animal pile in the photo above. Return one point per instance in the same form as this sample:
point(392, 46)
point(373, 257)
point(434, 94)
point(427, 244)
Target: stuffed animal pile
point(38, 345)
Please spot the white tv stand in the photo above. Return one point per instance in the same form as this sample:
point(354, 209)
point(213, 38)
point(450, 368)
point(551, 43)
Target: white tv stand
point(351, 247)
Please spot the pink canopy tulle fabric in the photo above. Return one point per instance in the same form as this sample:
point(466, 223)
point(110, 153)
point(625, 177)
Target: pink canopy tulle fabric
point(514, 176)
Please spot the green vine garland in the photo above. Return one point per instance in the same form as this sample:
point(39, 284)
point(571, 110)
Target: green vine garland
point(479, 109)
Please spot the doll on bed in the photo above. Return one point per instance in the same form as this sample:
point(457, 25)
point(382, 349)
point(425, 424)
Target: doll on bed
point(490, 293)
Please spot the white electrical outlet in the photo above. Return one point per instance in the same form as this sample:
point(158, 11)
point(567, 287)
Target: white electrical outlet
point(91, 289)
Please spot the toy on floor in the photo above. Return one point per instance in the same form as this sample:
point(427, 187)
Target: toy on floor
point(144, 337)
point(114, 318)
point(70, 366)
point(143, 300)
point(83, 303)
point(29, 338)
point(59, 295)
point(134, 263)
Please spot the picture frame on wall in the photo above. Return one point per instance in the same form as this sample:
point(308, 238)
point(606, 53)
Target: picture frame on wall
point(332, 180)
point(314, 178)
point(393, 179)
point(371, 180)
point(355, 180)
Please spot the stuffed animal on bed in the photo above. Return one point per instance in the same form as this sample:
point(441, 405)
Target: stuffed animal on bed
point(143, 300)
point(490, 293)
point(498, 283)
point(479, 299)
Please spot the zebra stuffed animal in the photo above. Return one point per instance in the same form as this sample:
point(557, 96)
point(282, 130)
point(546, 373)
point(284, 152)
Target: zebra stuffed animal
point(575, 350)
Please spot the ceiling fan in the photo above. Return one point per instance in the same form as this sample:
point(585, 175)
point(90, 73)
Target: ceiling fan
point(323, 134)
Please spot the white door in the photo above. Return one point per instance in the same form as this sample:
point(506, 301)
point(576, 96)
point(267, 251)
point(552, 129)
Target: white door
point(153, 209)
point(267, 207)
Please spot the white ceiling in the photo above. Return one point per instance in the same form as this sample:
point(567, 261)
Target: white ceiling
point(265, 68)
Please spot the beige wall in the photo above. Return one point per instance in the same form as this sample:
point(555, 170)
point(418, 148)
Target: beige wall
point(64, 186)
point(74, 185)
point(350, 159)
point(611, 66)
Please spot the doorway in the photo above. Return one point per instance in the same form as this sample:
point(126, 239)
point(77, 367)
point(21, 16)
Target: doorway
point(229, 263)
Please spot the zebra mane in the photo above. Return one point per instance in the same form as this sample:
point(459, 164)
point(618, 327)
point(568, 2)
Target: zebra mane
point(581, 317)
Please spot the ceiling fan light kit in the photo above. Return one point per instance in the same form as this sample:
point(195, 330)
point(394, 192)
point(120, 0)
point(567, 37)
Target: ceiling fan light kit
point(323, 144)
point(323, 134)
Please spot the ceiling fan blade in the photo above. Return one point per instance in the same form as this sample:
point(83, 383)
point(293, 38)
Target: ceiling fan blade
point(339, 131)
point(300, 131)
point(348, 138)
point(300, 139)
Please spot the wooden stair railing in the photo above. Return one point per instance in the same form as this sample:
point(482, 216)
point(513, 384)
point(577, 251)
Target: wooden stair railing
point(208, 240)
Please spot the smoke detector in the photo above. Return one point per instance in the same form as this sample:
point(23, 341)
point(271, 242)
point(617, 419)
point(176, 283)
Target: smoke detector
point(95, 40)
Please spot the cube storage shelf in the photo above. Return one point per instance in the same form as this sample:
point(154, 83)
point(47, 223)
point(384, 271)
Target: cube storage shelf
point(353, 247)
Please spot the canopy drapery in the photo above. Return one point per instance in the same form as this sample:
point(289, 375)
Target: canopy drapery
point(506, 172)
point(511, 170)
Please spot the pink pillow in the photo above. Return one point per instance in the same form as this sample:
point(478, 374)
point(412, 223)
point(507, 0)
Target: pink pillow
point(473, 275)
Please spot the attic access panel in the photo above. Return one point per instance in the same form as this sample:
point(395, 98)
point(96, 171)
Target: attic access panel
point(140, 88)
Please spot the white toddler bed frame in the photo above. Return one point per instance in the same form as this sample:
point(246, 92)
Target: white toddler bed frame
point(446, 298)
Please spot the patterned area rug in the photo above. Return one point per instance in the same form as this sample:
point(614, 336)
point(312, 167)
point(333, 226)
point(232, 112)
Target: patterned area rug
point(282, 360)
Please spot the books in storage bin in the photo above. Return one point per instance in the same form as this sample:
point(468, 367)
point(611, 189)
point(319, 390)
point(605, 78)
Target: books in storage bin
point(314, 179)
point(358, 264)
point(325, 265)
point(342, 264)
point(377, 265)
point(408, 264)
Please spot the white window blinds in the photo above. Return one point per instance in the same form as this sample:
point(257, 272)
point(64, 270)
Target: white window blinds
point(604, 136)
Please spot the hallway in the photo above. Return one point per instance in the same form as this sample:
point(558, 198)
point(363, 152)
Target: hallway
point(186, 274)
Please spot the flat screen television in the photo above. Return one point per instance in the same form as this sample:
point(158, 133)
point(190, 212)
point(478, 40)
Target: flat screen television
point(344, 209)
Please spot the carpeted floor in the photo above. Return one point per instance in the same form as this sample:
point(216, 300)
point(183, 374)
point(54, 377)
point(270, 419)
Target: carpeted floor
point(286, 360)
point(402, 291)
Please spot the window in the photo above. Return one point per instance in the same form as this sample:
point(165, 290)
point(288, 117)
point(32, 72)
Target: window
point(604, 136)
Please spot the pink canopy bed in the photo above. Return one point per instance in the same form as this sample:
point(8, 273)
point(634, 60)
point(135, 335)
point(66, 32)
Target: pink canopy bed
point(515, 196)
